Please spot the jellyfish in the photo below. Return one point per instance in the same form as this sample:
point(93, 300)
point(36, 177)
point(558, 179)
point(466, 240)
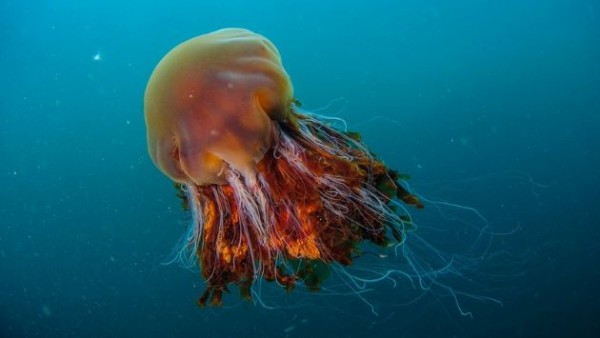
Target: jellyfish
point(275, 192)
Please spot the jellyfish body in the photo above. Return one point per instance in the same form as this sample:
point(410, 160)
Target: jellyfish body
point(210, 102)
point(275, 193)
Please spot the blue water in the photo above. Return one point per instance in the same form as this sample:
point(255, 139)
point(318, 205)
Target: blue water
point(493, 105)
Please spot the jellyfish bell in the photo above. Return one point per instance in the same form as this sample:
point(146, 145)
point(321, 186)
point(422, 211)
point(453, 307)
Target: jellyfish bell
point(209, 106)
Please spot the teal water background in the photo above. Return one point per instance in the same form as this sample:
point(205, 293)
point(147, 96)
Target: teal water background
point(493, 105)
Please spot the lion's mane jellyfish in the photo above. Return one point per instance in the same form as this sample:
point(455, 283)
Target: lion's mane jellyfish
point(275, 192)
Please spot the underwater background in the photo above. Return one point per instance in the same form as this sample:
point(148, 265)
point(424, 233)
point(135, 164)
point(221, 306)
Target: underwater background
point(490, 105)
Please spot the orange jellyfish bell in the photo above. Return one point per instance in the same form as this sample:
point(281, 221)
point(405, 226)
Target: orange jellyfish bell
point(275, 193)
point(210, 102)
